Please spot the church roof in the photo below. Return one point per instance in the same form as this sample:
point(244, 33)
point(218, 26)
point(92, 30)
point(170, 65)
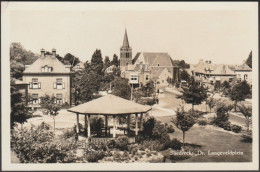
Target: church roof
point(50, 61)
point(125, 42)
point(155, 58)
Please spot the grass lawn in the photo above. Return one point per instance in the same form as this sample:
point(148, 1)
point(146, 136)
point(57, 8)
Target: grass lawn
point(213, 139)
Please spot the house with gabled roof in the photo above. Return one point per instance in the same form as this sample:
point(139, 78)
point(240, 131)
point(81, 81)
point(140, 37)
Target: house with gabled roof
point(48, 76)
point(209, 74)
point(243, 72)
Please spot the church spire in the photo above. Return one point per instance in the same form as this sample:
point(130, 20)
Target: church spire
point(125, 42)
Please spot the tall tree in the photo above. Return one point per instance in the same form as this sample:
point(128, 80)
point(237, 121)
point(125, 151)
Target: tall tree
point(19, 112)
point(184, 75)
point(115, 60)
point(97, 62)
point(71, 59)
point(249, 60)
point(18, 58)
point(89, 85)
point(239, 92)
point(106, 62)
point(184, 121)
point(194, 93)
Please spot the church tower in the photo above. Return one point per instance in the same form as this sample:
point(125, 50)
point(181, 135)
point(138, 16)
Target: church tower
point(125, 52)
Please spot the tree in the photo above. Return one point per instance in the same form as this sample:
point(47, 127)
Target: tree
point(222, 111)
point(76, 90)
point(89, 85)
point(184, 121)
point(148, 89)
point(71, 59)
point(249, 60)
point(97, 63)
point(239, 92)
point(212, 103)
point(121, 88)
point(51, 107)
point(115, 60)
point(19, 112)
point(194, 93)
point(225, 88)
point(247, 112)
point(106, 62)
point(184, 75)
point(18, 58)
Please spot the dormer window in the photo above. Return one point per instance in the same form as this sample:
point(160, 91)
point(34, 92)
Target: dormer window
point(46, 69)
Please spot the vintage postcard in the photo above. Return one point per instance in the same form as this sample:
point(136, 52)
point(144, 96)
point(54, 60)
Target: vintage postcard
point(129, 86)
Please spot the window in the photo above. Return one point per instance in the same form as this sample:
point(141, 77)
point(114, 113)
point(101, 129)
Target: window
point(158, 64)
point(59, 84)
point(147, 77)
point(59, 98)
point(230, 79)
point(245, 77)
point(35, 99)
point(127, 55)
point(35, 84)
point(134, 77)
point(46, 69)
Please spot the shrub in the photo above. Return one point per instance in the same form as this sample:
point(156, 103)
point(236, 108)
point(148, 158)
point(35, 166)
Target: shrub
point(202, 122)
point(236, 128)
point(159, 131)
point(148, 126)
point(175, 144)
point(96, 124)
point(226, 125)
point(169, 129)
point(247, 137)
point(68, 133)
point(37, 145)
point(94, 156)
point(121, 143)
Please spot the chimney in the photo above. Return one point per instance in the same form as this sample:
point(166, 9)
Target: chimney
point(42, 52)
point(53, 52)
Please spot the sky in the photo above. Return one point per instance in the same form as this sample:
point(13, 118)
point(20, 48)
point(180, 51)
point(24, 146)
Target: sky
point(220, 35)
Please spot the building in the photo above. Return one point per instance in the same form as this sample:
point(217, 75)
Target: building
point(79, 67)
point(110, 69)
point(243, 72)
point(146, 66)
point(212, 74)
point(48, 76)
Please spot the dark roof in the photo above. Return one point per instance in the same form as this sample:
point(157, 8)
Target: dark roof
point(50, 61)
point(136, 57)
